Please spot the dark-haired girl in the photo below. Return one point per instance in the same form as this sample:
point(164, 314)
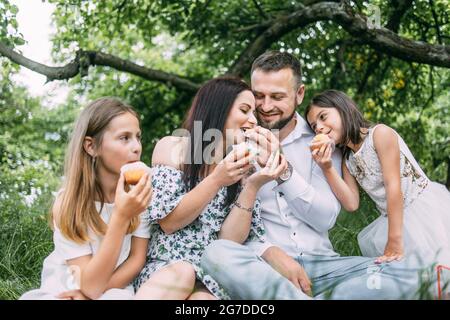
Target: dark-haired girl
point(415, 212)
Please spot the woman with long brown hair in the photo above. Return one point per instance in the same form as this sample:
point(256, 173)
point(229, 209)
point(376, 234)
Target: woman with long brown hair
point(203, 192)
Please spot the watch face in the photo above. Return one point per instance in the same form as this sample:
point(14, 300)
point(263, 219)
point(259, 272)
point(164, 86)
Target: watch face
point(286, 174)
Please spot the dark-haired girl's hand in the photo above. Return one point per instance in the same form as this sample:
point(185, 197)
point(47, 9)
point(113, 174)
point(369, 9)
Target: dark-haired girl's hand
point(233, 167)
point(322, 156)
point(134, 202)
point(392, 251)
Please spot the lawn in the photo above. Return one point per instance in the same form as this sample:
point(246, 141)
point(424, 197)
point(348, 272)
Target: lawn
point(26, 240)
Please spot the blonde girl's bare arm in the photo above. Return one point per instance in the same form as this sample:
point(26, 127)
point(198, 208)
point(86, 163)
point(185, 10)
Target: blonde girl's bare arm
point(95, 272)
point(126, 272)
point(132, 266)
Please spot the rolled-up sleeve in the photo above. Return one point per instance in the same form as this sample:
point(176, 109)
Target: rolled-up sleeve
point(259, 247)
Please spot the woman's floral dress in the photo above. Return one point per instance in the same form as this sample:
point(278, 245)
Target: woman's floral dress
point(189, 243)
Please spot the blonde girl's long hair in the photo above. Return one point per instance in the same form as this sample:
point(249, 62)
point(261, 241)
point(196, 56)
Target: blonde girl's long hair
point(77, 214)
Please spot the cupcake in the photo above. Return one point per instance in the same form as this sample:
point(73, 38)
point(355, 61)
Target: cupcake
point(134, 171)
point(253, 149)
point(319, 140)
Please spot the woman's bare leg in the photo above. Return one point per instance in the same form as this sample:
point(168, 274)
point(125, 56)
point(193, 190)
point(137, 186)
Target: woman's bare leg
point(201, 293)
point(173, 282)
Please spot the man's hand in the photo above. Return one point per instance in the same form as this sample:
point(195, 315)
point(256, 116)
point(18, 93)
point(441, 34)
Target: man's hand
point(266, 141)
point(289, 268)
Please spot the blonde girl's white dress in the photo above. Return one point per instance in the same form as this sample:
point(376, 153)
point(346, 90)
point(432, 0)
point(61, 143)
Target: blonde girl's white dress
point(57, 276)
point(426, 206)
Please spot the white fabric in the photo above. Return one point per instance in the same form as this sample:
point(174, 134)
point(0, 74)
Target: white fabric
point(298, 213)
point(426, 221)
point(56, 275)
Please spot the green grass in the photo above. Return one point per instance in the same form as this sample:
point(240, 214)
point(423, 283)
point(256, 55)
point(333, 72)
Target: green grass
point(26, 239)
point(344, 234)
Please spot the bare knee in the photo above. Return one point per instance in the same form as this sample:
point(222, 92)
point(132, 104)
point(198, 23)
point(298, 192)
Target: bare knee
point(175, 281)
point(184, 273)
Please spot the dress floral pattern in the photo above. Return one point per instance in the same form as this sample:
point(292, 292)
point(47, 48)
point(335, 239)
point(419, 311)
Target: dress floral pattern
point(189, 243)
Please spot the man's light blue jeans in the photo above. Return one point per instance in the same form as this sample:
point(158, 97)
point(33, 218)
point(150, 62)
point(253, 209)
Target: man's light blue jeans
point(246, 276)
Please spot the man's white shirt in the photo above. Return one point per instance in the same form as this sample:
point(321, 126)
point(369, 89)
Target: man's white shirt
point(298, 213)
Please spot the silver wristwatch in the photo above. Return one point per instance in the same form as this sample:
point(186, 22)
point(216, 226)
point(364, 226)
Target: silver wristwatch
point(286, 175)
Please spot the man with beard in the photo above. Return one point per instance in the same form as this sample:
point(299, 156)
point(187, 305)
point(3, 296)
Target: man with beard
point(297, 260)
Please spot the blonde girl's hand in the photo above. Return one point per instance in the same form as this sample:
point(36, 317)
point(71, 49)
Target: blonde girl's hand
point(274, 168)
point(392, 251)
point(134, 202)
point(233, 167)
point(322, 156)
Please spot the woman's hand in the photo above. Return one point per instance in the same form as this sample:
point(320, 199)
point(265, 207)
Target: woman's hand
point(393, 251)
point(322, 156)
point(233, 167)
point(275, 166)
point(132, 203)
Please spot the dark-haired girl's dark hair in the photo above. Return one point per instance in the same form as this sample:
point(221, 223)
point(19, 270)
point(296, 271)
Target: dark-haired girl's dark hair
point(211, 106)
point(352, 119)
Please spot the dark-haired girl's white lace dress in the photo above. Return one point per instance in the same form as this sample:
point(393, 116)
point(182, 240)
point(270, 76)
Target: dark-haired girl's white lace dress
point(426, 206)
point(189, 243)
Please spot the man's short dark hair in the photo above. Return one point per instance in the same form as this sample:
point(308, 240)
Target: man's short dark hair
point(275, 61)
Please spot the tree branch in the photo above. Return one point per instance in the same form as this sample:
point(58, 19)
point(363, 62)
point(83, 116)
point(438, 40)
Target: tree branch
point(380, 39)
point(400, 8)
point(255, 27)
point(84, 59)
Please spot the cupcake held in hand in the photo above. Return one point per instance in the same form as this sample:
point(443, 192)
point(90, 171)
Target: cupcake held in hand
point(134, 171)
point(319, 140)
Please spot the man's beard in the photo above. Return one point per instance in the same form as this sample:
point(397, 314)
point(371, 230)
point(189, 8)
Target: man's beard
point(277, 125)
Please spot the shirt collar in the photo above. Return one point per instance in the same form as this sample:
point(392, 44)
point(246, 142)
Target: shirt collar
point(301, 128)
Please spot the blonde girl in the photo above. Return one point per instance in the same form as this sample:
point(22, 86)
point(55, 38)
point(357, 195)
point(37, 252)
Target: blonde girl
point(99, 236)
